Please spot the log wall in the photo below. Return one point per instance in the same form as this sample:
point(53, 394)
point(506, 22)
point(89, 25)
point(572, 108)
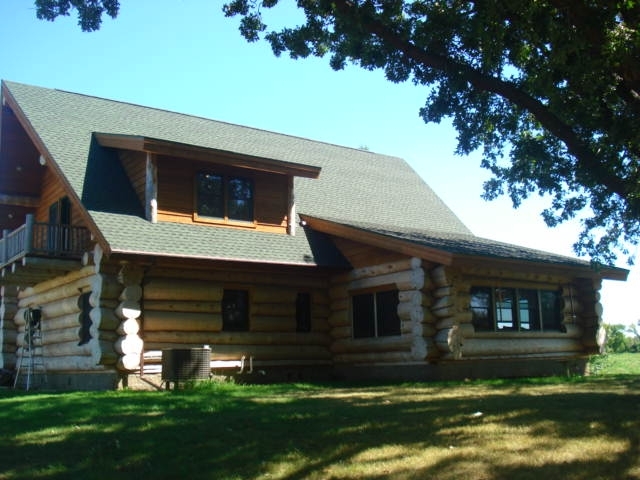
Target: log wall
point(8, 330)
point(414, 344)
point(457, 339)
point(73, 337)
point(182, 309)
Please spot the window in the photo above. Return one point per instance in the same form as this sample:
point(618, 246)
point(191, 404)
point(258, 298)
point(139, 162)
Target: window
point(515, 309)
point(84, 334)
point(225, 197)
point(375, 314)
point(235, 311)
point(303, 312)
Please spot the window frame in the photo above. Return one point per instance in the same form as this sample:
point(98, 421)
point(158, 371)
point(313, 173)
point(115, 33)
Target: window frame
point(359, 323)
point(226, 180)
point(519, 312)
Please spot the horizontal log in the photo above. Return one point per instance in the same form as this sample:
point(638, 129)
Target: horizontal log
point(274, 309)
point(319, 324)
point(229, 338)
point(57, 281)
point(130, 274)
point(181, 321)
point(341, 332)
point(179, 306)
point(56, 293)
point(8, 310)
point(62, 335)
point(513, 346)
point(374, 358)
point(129, 344)
point(262, 323)
point(379, 344)
point(378, 270)
point(61, 307)
point(181, 289)
point(72, 320)
point(340, 318)
point(259, 352)
point(404, 280)
point(338, 304)
point(71, 363)
point(283, 294)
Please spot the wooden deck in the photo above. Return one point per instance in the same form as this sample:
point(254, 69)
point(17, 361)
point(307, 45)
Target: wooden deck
point(34, 251)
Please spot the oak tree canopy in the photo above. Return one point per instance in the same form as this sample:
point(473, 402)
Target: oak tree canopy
point(548, 90)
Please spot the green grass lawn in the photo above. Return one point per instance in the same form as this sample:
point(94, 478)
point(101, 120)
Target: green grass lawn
point(578, 428)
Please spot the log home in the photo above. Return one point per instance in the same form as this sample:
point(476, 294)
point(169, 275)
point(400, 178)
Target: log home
point(131, 232)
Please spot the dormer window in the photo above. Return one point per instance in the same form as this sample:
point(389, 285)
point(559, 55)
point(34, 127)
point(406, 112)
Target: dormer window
point(224, 197)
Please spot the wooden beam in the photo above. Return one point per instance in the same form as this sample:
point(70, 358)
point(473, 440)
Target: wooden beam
point(19, 200)
point(393, 244)
point(207, 154)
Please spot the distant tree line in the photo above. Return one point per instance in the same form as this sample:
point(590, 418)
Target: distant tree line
point(623, 338)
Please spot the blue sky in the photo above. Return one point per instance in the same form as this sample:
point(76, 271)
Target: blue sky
point(185, 56)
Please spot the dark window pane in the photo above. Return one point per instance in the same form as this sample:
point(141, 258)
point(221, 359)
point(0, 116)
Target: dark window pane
point(240, 199)
point(505, 314)
point(528, 309)
point(551, 310)
point(303, 312)
point(363, 315)
point(235, 310)
point(84, 334)
point(481, 310)
point(387, 313)
point(210, 191)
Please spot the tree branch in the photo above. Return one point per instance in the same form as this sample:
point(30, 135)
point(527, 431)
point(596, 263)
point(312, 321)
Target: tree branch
point(587, 162)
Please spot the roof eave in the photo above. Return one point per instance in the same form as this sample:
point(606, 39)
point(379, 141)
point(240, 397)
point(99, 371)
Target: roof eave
point(196, 152)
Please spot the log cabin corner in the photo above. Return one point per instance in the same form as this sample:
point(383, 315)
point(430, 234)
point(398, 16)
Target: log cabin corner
point(129, 233)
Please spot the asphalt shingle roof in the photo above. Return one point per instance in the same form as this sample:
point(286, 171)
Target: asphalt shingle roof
point(366, 190)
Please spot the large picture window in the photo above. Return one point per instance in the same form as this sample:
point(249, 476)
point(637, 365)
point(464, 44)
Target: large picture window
point(375, 314)
point(224, 197)
point(515, 309)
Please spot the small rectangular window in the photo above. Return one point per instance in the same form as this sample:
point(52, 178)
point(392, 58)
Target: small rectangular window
point(84, 334)
point(303, 312)
point(482, 308)
point(375, 314)
point(235, 311)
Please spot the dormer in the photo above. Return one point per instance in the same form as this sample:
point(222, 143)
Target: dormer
point(191, 184)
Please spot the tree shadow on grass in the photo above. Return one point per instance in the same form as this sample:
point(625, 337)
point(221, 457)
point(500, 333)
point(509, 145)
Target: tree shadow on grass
point(313, 433)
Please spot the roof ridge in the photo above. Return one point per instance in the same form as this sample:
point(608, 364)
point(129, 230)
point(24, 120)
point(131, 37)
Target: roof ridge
point(208, 119)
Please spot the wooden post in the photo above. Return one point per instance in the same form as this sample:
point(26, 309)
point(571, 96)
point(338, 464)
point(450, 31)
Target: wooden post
point(151, 189)
point(28, 233)
point(5, 246)
point(291, 211)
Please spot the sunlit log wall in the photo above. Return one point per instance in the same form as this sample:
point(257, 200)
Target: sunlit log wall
point(8, 331)
point(457, 339)
point(74, 338)
point(414, 344)
point(182, 309)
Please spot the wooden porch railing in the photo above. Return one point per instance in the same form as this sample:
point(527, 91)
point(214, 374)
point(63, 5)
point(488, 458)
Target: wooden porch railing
point(43, 240)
